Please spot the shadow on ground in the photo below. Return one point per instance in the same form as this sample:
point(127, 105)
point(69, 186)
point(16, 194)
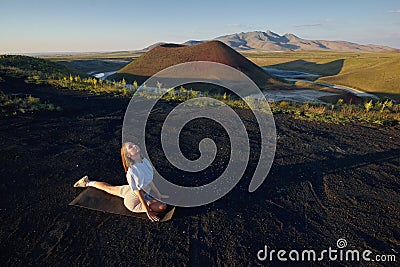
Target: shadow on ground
point(326, 69)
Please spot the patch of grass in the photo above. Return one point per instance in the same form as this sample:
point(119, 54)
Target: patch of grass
point(93, 85)
point(381, 113)
point(384, 113)
point(123, 55)
point(370, 72)
point(13, 105)
point(23, 66)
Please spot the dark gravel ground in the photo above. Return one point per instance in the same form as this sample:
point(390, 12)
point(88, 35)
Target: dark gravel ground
point(327, 182)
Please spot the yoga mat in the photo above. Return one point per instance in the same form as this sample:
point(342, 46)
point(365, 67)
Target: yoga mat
point(95, 199)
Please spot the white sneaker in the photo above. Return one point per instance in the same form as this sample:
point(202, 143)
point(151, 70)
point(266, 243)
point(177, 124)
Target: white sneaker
point(83, 182)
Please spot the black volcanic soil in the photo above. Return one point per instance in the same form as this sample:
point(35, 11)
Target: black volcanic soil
point(327, 182)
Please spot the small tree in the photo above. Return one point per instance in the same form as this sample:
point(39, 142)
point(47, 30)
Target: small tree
point(70, 81)
point(388, 104)
point(368, 105)
point(193, 94)
point(171, 94)
point(182, 91)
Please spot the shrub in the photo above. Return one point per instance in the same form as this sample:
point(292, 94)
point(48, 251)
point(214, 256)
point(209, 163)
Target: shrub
point(284, 104)
point(32, 101)
point(14, 105)
point(368, 105)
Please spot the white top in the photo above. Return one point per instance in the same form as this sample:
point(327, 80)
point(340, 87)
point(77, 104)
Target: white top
point(139, 175)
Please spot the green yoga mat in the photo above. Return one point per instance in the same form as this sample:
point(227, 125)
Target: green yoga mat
point(95, 199)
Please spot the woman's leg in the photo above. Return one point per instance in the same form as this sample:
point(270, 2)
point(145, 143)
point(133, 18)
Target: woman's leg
point(132, 202)
point(113, 190)
point(85, 182)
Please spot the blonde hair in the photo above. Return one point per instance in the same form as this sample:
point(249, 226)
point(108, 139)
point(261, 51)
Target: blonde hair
point(126, 161)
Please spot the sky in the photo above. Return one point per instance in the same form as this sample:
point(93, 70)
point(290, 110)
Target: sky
point(29, 26)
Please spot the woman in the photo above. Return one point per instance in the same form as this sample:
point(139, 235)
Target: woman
point(139, 174)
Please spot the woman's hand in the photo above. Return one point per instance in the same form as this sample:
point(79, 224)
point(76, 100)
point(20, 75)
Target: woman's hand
point(152, 216)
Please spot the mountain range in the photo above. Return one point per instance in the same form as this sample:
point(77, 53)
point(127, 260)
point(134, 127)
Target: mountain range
point(270, 41)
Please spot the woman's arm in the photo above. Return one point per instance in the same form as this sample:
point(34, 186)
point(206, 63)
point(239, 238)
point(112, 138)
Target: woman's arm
point(150, 214)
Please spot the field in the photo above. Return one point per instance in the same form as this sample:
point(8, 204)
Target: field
point(334, 176)
point(371, 72)
point(376, 73)
point(93, 56)
point(339, 108)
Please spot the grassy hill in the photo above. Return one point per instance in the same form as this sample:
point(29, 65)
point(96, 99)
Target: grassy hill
point(24, 66)
point(166, 55)
point(370, 72)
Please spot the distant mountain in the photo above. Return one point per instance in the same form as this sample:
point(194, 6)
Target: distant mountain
point(270, 41)
point(166, 55)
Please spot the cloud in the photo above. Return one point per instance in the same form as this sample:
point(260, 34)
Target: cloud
point(394, 11)
point(308, 25)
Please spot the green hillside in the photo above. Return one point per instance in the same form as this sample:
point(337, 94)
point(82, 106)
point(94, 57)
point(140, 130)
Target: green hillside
point(24, 66)
point(371, 72)
point(379, 74)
